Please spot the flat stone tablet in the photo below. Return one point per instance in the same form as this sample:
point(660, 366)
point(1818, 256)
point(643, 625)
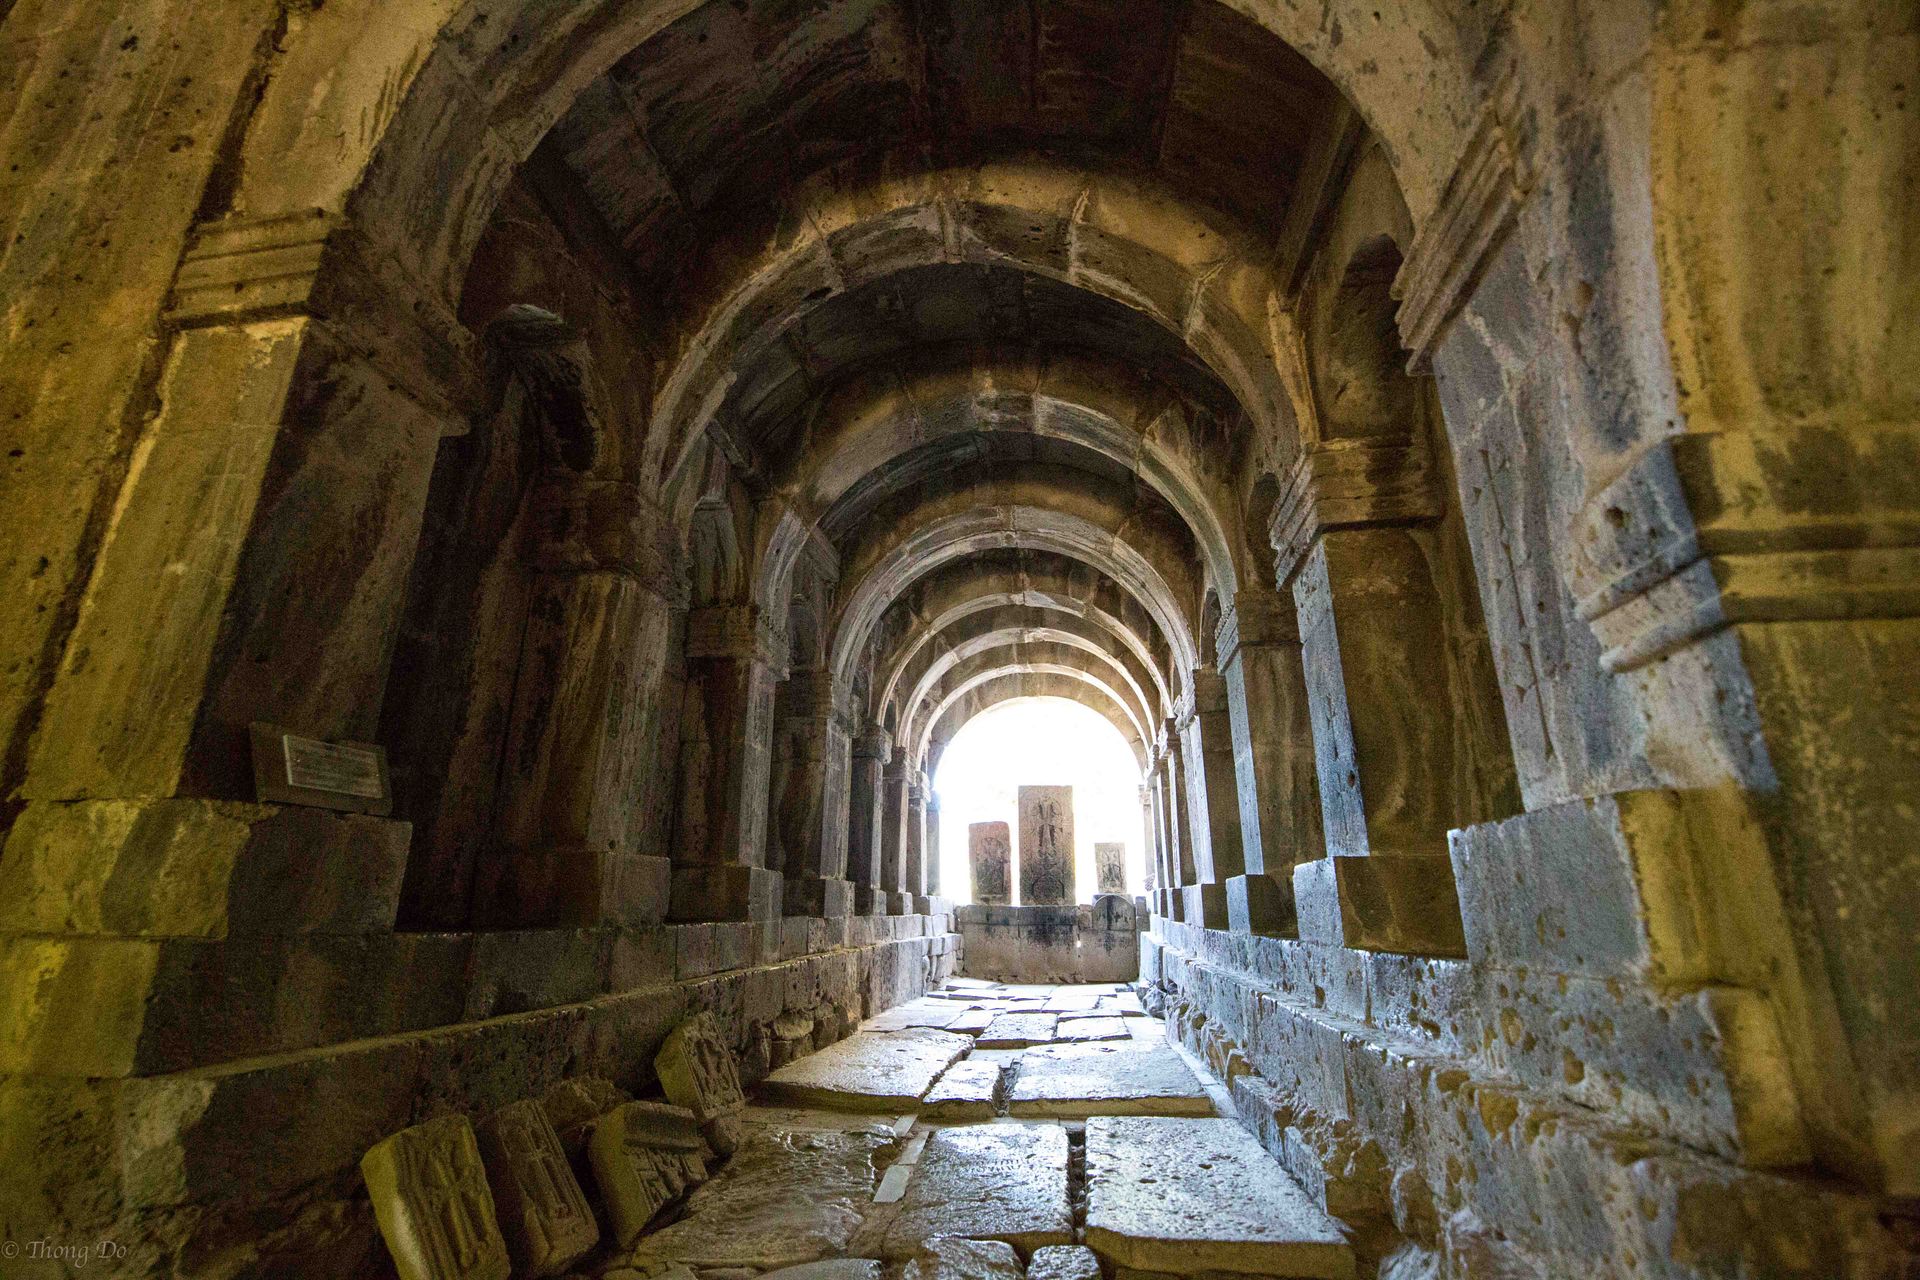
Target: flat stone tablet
point(432, 1203)
point(1018, 1030)
point(868, 1071)
point(965, 1092)
point(1079, 1080)
point(1003, 1182)
point(1189, 1196)
point(645, 1155)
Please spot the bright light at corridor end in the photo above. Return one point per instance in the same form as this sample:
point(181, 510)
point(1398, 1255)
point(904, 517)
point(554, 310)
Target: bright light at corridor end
point(1040, 742)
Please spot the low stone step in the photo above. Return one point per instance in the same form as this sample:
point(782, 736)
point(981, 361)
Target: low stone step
point(1184, 1197)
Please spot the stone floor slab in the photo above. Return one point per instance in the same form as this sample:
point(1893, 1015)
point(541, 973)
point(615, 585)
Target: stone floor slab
point(1187, 1196)
point(1018, 1030)
point(972, 1022)
point(1083, 1029)
point(1064, 1262)
point(1116, 1078)
point(1003, 1182)
point(868, 1071)
point(967, 1091)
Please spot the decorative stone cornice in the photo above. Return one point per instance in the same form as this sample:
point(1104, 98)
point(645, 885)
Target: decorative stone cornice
point(313, 265)
point(1257, 618)
point(1709, 530)
point(577, 524)
point(1480, 205)
point(739, 631)
point(1348, 484)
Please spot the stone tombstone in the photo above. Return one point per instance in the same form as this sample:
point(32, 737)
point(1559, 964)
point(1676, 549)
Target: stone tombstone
point(433, 1206)
point(1046, 846)
point(645, 1156)
point(990, 853)
point(1109, 868)
point(698, 1071)
point(542, 1211)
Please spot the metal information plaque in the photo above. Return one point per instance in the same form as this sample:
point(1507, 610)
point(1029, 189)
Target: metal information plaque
point(290, 768)
point(332, 766)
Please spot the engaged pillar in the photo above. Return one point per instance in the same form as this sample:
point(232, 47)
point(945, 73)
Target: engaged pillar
point(865, 806)
point(1259, 652)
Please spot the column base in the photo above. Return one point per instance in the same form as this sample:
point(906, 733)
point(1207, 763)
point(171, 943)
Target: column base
point(725, 892)
point(928, 904)
point(818, 896)
point(869, 901)
point(899, 904)
point(1406, 905)
point(1261, 904)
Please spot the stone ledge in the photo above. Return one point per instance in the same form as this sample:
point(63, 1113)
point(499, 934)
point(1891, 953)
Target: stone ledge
point(1329, 1095)
point(1703, 1068)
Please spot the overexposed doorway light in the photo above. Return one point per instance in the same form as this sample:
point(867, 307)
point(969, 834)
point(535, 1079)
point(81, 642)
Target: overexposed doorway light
point(1040, 742)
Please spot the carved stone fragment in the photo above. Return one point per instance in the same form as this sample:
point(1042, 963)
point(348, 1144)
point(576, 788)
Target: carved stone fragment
point(698, 1071)
point(431, 1199)
point(1046, 846)
point(990, 852)
point(542, 1211)
point(645, 1156)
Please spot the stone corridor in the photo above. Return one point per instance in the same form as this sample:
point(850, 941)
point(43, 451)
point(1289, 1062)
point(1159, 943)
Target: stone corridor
point(507, 507)
point(993, 1132)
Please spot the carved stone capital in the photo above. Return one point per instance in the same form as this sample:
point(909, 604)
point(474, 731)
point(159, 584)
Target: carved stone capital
point(1209, 691)
point(1710, 530)
point(740, 631)
point(1480, 205)
point(313, 265)
point(576, 524)
point(875, 744)
point(1259, 618)
point(1350, 484)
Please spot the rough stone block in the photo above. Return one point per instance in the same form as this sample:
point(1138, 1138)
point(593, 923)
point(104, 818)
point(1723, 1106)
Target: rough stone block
point(1261, 904)
point(1380, 903)
point(725, 892)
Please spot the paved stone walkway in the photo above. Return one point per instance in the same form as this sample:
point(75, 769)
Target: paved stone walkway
point(989, 1132)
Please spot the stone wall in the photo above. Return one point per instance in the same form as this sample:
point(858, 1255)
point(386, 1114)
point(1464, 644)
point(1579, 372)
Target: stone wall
point(236, 1149)
point(1087, 943)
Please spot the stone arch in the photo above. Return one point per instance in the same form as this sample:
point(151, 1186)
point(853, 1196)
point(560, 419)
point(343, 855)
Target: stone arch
point(1022, 681)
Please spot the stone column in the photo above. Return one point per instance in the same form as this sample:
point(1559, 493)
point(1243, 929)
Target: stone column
point(1259, 653)
point(930, 902)
point(592, 668)
point(1180, 864)
point(814, 800)
point(871, 751)
point(1150, 824)
point(891, 895)
point(913, 859)
point(721, 872)
point(1374, 646)
point(1216, 800)
point(1164, 861)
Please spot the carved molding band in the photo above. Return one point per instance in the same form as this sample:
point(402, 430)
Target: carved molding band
point(740, 631)
point(1257, 618)
point(581, 525)
point(1479, 207)
point(1706, 531)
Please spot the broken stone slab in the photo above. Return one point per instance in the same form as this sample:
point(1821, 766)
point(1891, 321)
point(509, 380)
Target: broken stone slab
point(952, 1258)
point(432, 1203)
point(972, 1022)
point(1079, 1080)
point(1064, 1262)
point(1186, 1196)
point(1004, 1182)
point(699, 1072)
point(807, 1118)
point(968, 1090)
point(645, 1155)
point(1018, 1030)
point(868, 1071)
point(1085, 1029)
point(788, 1196)
point(541, 1209)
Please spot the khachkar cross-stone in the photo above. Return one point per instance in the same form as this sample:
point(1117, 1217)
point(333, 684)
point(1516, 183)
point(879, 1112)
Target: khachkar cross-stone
point(1046, 846)
point(990, 851)
point(1109, 868)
